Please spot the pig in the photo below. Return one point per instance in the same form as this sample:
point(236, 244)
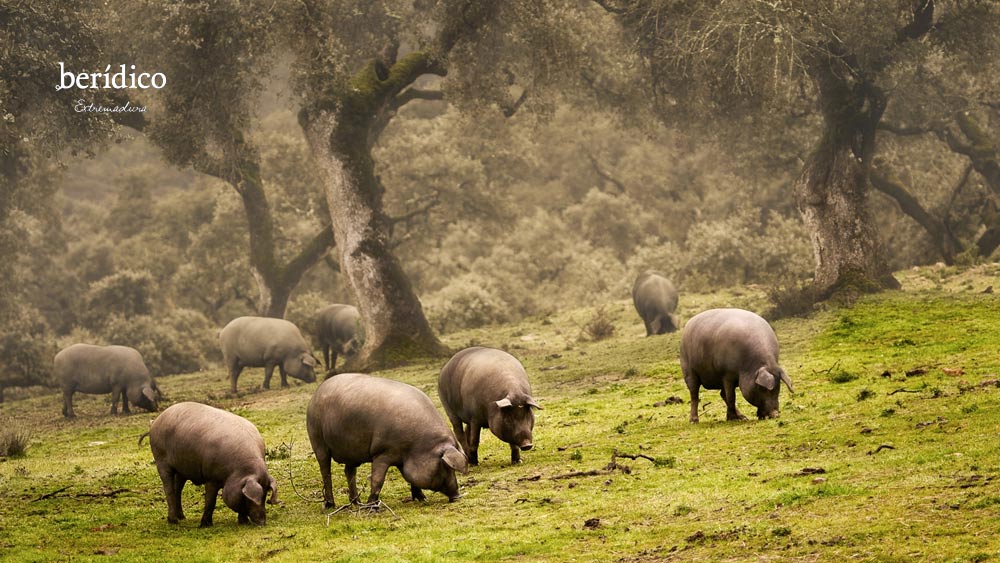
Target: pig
point(266, 342)
point(118, 370)
point(723, 348)
point(205, 445)
point(655, 299)
point(488, 387)
point(355, 418)
point(338, 331)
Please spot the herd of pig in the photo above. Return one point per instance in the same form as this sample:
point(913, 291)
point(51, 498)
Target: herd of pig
point(355, 418)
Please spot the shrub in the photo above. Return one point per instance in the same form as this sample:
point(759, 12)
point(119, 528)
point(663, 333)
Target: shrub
point(600, 326)
point(468, 301)
point(127, 293)
point(13, 440)
point(26, 349)
point(181, 341)
point(790, 300)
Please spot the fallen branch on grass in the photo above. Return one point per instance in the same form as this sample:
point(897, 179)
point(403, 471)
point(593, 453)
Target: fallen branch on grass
point(106, 494)
point(901, 390)
point(52, 494)
point(631, 456)
point(109, 494)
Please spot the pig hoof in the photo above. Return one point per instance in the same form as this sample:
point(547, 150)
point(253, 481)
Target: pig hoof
point(328, 504)
point(205, 524)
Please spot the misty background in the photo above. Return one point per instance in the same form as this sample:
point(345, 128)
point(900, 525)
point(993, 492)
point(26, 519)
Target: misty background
point(564, 151)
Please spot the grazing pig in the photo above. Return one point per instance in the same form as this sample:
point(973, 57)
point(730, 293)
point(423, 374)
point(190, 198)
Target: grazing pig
point(655, 298)
point(266, 342)
point(118, 370)
point(723, 348)
point(355, 418)
point(338, 331)
point(205, 445)
point(488, 387)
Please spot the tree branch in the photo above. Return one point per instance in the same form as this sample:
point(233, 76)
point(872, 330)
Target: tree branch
point(310, 255)
point(605, 175)
point(945, 242)
point(510, 110)
point(411, 94)
point(609, 8)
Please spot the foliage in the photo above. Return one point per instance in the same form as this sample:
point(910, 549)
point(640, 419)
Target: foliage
point(599, 327)
point(178, 341)
point(127, 293)
point(26, 349)
point(14, 439)
point(470, 300)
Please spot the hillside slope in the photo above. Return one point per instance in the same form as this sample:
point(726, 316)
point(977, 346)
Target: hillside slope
point(887, 451)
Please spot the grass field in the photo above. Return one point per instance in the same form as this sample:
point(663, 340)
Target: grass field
point(888, 451)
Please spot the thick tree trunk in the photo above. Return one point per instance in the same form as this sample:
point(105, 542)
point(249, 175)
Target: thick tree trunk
point(832, 190)
point(832, 195)
point(394, 323)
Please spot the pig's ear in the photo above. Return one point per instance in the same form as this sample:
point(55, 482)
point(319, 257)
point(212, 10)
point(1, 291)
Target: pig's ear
point(253, 491)
point(455, 459)
point(504, 403)
point(531, 403)
point(149, 394)
point(788, 381)
point(309, 360)
point(274, 492)
point(765, 379)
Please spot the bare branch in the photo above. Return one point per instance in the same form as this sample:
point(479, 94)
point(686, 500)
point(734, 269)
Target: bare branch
point(509, 111)
point(604, 174)
point(609, 8)
point(411, 94)
point(905, 130)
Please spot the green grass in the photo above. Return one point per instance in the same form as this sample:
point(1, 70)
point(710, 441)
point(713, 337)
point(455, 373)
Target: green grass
point(910, 473)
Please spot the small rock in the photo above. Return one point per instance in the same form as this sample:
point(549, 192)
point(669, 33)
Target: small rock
point(819, 480)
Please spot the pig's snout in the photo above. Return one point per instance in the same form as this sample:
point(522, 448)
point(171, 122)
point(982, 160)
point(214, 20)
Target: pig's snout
point(526, 446)
point(770, 414)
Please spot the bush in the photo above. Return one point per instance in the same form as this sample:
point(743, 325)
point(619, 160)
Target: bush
point(468, 301)
point(600, 326)
point(127, 294)
point(26, 349)
point(790, 300)
point(181, 341)
point(13, 439)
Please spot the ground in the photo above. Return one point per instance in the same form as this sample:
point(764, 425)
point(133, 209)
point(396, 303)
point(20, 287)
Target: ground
point(886, 451)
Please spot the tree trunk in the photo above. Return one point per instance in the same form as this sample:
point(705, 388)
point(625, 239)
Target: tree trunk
point(832, 196)
point(832, 191)
point(340, 138)
point(275, 282)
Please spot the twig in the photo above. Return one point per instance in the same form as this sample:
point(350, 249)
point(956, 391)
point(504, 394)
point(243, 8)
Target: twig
point(633, 456)
point(882, 447)
point(110, 494)
point(564, 448)
point(372, 508)
point(291, 479)
point(901, 390)
point(830, 369)
point(590, 473)
point(52, 494)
